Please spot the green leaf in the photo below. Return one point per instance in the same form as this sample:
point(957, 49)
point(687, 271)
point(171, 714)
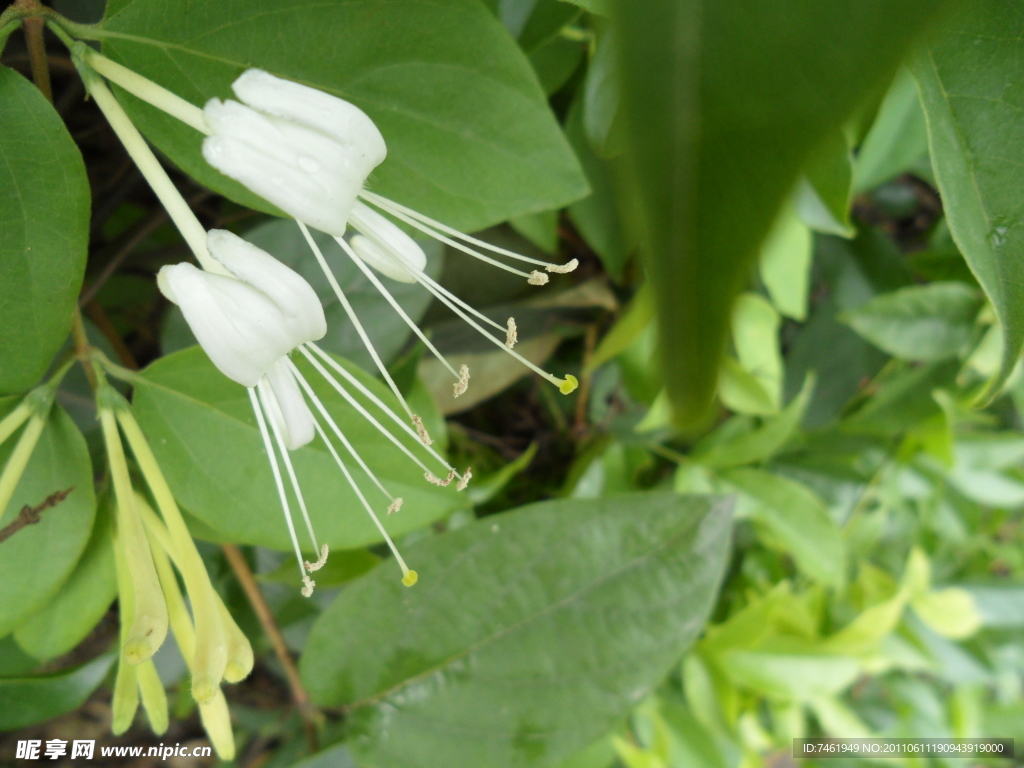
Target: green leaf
point(36, 560)
point(634, 320)
point(761, 443)
point(471, 140)
point(203, 433)
point(602, 93)
point(755, 386)
point(530, 634)
point(975, 135)
point(555, 62)
point(541, 229)
point(547, 18)
point(596, 216)
point(81, 602)
point(797, 521)
point(897, 139)
point(31, 700)
point(600, 7)
point(823, 196)
point(921, 322)
point(44, 232)
point(794, 675)
point(785, 264)
point(723, 103)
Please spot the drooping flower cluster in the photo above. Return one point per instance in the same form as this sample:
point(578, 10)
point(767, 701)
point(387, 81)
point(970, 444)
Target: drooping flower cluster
point(309, 153)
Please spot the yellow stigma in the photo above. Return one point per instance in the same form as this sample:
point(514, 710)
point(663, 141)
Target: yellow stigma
point(568, 385)
point(410, 578)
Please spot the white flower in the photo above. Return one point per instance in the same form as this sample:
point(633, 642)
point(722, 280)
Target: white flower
point(310, 153)
point(247, 325)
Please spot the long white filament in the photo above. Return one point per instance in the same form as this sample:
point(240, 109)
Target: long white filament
point(359, 493)
point(277, 476)
point(372, 398)
point(266, 394)
point(394, 304)
point(366, 414)
point(352, 316)
point(334, 428)
point(426, 282)
point(448, 241)
point(395, 209)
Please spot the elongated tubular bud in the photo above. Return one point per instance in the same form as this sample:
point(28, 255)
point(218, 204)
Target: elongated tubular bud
point(19, 459)
point(126, 689)
point(126, 697)
point(154, 697)
point(212, 641)
point(210, 651)
point(148, 626)
point(214, 714)
point(14, 419)
point(240, 657)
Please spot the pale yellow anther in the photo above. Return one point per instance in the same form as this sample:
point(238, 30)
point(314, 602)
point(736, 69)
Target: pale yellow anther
point(308, 584)
point(466, 477)
point(463, 383)
point(410, 578)
point(395, 505)
point(537, 278)
point(511, 334)
point(432, 478)
point(562, 269)
point(320, 561)
point(421, 430)
point(568, 385)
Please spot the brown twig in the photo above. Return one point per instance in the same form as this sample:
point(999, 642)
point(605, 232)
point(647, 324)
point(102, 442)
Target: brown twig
point(307, 711)
point(30, 515)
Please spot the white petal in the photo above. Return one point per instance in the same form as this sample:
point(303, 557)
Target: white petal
point(291, 413)
point(302, 171)
point(343, 121)
point(302, 312)
point(381, 260)
point(390, 242)
point(241, 329)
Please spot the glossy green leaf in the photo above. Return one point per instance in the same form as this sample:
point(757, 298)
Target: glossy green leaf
point(541, 229)
point(898, 138)
point(922, 322)
point(600, 7)
point(976, 136)
point(724, 102)
point(529, 635)
point(203, 432)
point(31, 700)
point(556, 61)
point(797, 521)
point(44, 232)
point(81, 602)
point(36, 560)
point(471, 140)
point(546, 20)
point(602, 93)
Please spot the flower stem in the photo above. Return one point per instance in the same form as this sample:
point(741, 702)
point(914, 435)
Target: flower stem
point(37, 56)
point(147, 90)
point(177, 208)
point(307, 710)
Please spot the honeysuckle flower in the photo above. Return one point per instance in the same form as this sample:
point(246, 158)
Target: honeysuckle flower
point(309, 153)
point(249, 312)
point(248, 321)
